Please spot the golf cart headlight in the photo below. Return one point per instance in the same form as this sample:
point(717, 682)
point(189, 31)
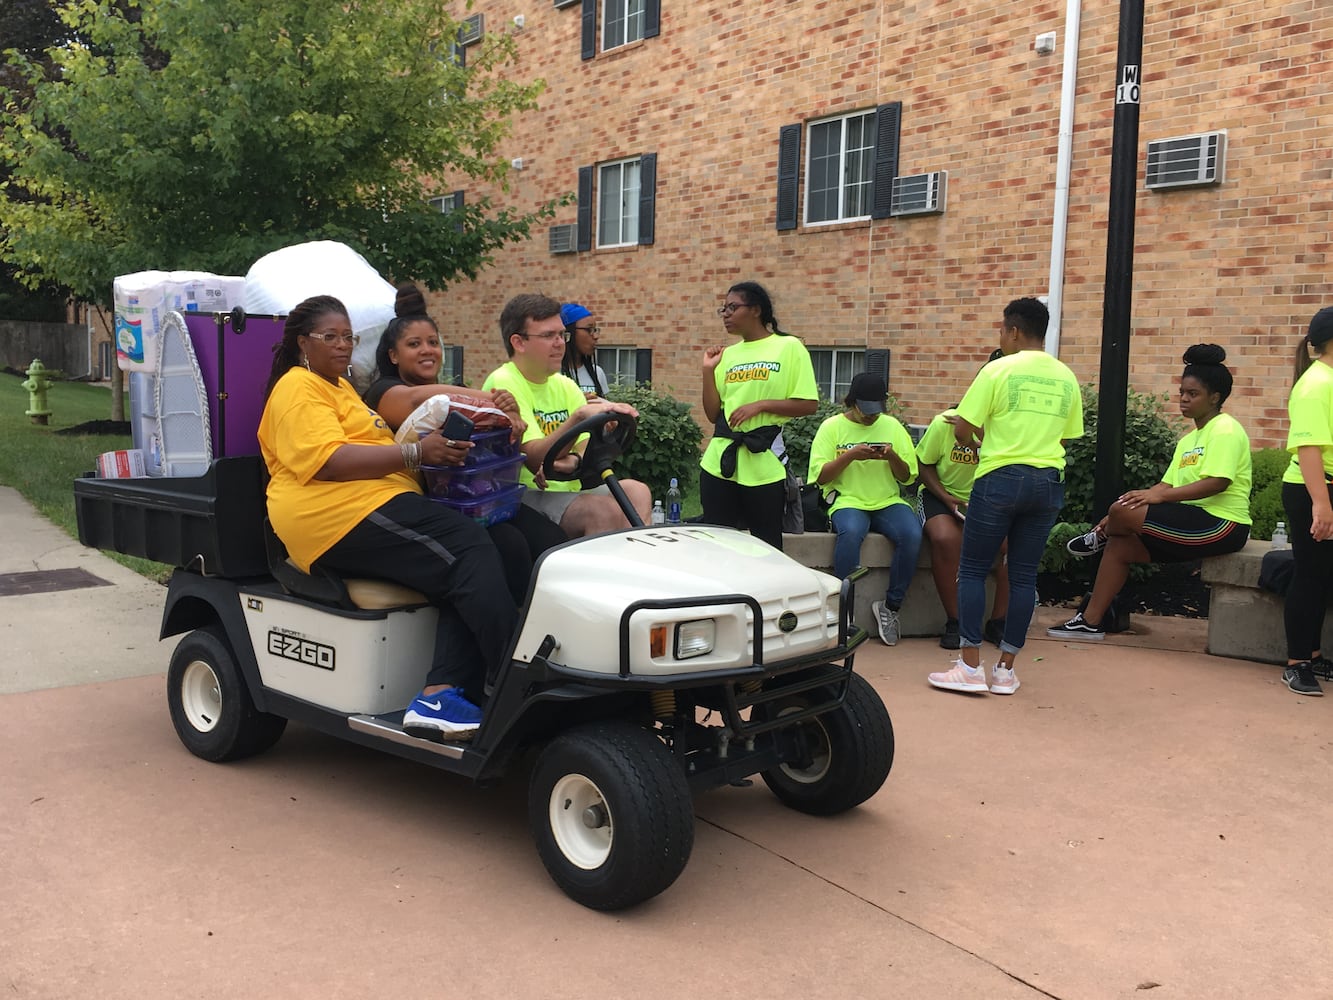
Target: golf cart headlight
point(695, 638)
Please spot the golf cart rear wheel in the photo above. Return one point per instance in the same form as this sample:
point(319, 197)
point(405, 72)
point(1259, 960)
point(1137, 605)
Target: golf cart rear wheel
point(844, 755)
point(210, 707)
point(611, 813)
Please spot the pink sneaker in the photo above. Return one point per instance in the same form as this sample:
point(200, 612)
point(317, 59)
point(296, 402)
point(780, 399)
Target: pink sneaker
point(960, 677)
point(1003, 680)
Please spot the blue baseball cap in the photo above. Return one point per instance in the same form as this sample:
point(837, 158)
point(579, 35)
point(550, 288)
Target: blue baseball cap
point(572, 312)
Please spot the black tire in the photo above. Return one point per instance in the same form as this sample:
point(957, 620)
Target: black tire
point(210, 707)
point(611, 813)
point(848, 752)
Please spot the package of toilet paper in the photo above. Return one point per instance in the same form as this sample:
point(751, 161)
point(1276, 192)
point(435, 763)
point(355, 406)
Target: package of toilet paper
point(142, 301)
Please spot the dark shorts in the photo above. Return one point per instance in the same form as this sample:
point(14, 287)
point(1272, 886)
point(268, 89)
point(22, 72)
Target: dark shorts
point(933, 506)
point(1180, 532)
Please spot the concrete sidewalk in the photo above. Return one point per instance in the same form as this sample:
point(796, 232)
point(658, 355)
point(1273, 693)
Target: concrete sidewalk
point(1135, 822)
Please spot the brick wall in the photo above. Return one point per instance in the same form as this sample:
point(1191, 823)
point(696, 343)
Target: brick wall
point(1242, 264)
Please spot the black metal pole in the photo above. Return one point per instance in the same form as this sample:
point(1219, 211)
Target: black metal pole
point(1108, 478)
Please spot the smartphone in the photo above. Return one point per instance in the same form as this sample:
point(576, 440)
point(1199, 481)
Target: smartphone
point(457, 427)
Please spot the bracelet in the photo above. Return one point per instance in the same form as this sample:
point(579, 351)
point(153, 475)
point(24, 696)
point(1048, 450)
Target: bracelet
point(411, 455)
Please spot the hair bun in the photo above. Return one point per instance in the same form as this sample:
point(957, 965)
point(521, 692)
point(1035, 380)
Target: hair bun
point(409, 301)
point(1205, 354)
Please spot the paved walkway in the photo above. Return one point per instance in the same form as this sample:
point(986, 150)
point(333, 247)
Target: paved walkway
point(1136, 822)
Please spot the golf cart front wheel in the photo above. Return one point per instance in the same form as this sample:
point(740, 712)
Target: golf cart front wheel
point(210, 707)
point(612, 815)
point(841, 758)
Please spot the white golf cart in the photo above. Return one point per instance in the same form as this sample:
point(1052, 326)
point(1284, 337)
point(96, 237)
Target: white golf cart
point(649, 663)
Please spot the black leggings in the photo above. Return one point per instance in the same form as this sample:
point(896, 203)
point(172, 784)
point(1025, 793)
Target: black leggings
point(452, 561)
point(758, 508)
point(1312, 581)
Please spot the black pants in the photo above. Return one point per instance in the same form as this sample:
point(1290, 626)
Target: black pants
point(453, 562)
point(758, 508)
point(521, 540)
point(1312, 581)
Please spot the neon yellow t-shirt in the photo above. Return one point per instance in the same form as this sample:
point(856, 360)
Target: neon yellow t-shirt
point(868, 484)
point(307, 419)
point(955, 464)
point(544, 406)
point(1222, 449)
point(1310, 409)
point(776, 367)
point(1027, 403)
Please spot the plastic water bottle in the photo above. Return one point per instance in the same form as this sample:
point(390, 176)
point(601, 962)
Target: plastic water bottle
point(1280, 536)
point(673, 503)
point(659, 515)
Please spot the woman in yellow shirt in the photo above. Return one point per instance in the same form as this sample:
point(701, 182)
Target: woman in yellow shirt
point(344, 496)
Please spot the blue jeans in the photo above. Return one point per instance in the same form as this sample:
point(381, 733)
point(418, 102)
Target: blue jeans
point(1020, 503)
point(898, 522)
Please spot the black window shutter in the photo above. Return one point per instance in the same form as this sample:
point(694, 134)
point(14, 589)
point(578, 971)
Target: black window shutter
point(456, 364)
point(585, 208)
point(877, 363)
point(652, 18)
point(888, 119)
point(647, 197)
point(589, 28)
point(643, 365)
point(789, 170)
point(458, 207)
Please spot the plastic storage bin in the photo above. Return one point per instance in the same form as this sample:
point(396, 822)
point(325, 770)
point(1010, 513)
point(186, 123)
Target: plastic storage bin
point(499, 506)
point(471, 482)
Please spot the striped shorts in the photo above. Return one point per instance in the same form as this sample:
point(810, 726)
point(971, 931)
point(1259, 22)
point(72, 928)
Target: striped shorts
point(1180, 532)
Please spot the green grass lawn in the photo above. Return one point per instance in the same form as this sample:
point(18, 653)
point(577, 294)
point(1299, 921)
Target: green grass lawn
point(42, 465)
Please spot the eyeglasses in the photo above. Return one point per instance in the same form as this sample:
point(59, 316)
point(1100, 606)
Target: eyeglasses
point(332, 337)
point(730, 308)
point(594, 330)
point(552, 335)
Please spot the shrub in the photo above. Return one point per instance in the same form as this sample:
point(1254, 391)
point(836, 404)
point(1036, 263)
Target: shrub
point(1268, 465)
point(667, 443)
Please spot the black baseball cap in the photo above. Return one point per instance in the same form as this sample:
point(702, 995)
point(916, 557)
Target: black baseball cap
point(868, 393)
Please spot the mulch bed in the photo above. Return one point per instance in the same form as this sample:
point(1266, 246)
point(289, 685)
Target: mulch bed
point(1176, 589)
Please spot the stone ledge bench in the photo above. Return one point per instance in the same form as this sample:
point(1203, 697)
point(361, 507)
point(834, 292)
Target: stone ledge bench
point(921, 615)
point(1244, 621)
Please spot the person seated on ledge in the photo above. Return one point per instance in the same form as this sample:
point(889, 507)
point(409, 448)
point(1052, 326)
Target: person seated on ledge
point(408, 362)
point(946, 469)
point(866, 456)
point(1200, 508)
point(343, 496)
point(534, 335)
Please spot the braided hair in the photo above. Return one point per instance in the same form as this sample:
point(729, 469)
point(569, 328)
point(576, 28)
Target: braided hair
point(1206, 362)
point(409, 306)
point(757, 295)
point(300, 321)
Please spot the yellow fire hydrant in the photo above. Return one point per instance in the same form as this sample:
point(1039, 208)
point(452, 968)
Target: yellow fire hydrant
point(38, 383)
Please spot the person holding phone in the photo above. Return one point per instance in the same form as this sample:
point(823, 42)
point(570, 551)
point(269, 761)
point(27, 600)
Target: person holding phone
point(344, 496)
point(408, 362)
point(861, 459)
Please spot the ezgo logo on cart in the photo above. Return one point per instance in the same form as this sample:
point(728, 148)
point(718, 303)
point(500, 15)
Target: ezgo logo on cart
point(293, 647)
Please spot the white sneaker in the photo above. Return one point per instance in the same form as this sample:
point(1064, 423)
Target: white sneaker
point(960, 677)
point(1003, 680)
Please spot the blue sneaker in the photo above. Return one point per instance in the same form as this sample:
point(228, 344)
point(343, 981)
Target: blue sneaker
point(445, 713)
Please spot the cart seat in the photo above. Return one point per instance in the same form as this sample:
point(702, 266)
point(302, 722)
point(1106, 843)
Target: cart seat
point(329, 588)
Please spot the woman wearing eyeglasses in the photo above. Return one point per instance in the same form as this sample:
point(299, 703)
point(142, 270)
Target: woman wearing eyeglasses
point(750, 389)
point(580, 362)
point(342, 495)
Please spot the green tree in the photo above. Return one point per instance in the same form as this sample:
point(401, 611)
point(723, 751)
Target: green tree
point(203, 134)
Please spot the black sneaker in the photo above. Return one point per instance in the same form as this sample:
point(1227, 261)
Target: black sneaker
point(1322, 666)
point(1300, 678)
point(1086, 545)
point(951, 639)
point(994, 631)
point(1078, 628)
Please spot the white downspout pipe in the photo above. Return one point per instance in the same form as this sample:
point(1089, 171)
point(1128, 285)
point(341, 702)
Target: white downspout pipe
point(1063, 168)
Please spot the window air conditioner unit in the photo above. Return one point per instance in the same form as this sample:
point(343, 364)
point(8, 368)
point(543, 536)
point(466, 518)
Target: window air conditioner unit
point(1187, 160)
point(919, 194)
point(563, 239)
point(470, 29)
point(565, 3)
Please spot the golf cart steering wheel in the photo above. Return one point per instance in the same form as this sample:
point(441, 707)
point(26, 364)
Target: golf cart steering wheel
point(605, 445)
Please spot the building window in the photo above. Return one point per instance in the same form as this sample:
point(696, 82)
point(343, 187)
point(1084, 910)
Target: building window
point(840, 169)
point(618, 203)
point(626, 365)
point(834, 369)
point(625, 200)
point(622, 21)
point(849, 169)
